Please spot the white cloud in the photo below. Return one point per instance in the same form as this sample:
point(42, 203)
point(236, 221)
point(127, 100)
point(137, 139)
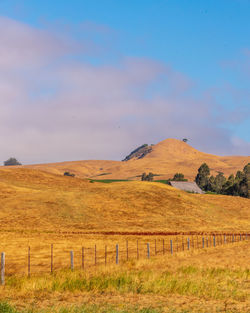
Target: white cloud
point(54, 107)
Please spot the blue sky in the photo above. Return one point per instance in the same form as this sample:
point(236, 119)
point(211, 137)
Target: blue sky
point(195, 56)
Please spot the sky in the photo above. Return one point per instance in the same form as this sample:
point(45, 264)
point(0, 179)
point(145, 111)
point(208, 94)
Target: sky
point(94, 79)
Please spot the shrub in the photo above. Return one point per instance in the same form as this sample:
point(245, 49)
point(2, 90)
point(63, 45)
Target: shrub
point(149, 177)
point(179, 177)
point(11, 161)
point(69, 174)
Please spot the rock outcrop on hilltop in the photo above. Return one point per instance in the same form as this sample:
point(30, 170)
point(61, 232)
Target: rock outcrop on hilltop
point(139, 152)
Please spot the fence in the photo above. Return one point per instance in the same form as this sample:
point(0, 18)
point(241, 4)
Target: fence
point(91, 256)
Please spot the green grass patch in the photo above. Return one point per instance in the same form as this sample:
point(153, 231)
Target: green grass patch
point(211, 193)
point(107, 181)
point(163, 181)
point(103, 174)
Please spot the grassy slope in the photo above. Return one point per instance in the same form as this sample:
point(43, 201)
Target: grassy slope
point(32, 199)
point(214, 278)
point(167, 158)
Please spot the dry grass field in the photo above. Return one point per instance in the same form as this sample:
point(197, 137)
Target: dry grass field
point(205, 280)
point(38, 201)
point(167, 158)
point(38, 208)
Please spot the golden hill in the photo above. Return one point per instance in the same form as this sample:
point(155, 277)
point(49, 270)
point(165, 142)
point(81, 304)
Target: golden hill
point(35, 200)
point(166, 158)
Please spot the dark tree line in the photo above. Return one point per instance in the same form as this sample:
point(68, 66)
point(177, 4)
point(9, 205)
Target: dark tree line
point(150, 177)
point(234, 185)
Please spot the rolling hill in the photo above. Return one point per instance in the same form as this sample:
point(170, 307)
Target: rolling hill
point(39, 201)
point(164, 159)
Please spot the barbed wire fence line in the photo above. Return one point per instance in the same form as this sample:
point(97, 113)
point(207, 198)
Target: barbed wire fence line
point(85, 257)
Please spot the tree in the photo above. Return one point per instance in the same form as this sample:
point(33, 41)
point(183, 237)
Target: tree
point(219, 181)
point(239, 176)
point(245, 182)
point(227, 188)
point(11, 162)
point(179, 177)
point(202, 177)
point(211, 184)
point(240, 185)
point(149, 177)
point(185, 139)
point(231, 179)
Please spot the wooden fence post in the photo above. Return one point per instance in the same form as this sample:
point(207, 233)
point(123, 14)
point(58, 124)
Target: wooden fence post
point(2, 268)
point(233, 238)
point(95, 256)
point(207, 241)
point(214, 242)
point(117, 254)
point(127, 248)
point(240, 237)
point(51, 258)
point(155, 248)
point(188, 244)
point(72, 260)
point(148, 251)
point(203, 242)
point(29, 261)
point(137, 250)
point(82, 257)
point(171, 246)
point(225, 239)
point(163, 246)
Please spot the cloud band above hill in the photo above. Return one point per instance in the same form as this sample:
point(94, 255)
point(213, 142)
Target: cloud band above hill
point(55, 105)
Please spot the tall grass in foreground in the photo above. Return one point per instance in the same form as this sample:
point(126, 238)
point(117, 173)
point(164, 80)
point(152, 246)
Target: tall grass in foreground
point(6, 308)
point(212, 283)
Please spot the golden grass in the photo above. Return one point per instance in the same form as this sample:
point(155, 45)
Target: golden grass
point(40, 201)
point(167, 157)
point(39, 208)
point(205, 280)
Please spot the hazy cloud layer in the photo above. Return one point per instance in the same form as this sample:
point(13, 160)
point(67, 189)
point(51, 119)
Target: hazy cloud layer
point(55, 107)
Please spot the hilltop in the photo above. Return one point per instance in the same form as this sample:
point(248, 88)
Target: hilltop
point(164, 159)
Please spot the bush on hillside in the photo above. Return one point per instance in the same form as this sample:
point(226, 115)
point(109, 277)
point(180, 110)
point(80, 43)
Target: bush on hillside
point(147, 177)
point(179, 177)
point(69, 174)
point(11, 162)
